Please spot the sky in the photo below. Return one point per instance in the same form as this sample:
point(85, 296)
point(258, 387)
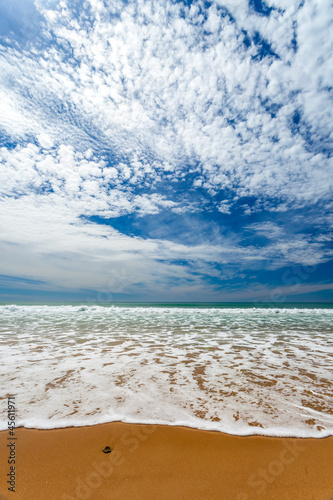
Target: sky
point(166, 151)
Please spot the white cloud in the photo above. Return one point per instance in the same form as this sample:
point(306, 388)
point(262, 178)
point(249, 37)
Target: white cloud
point(45, 141)
point(14, 120)
point(180, 92)
point(224, 207)
point(62, 176)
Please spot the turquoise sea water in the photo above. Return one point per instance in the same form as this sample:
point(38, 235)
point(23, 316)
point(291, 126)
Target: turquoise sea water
point(236, 368)
point(187, 305)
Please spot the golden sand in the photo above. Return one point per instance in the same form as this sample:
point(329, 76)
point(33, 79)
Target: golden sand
point(165, 463)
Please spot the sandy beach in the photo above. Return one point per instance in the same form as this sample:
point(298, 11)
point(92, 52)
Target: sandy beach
point(162, 462)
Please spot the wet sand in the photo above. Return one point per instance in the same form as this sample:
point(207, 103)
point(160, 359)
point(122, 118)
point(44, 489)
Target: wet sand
point(164, 463)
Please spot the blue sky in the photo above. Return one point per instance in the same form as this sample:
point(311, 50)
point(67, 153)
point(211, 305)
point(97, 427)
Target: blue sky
point(168, 151)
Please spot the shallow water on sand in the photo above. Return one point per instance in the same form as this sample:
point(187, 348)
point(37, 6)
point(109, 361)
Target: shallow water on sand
point(238, 370)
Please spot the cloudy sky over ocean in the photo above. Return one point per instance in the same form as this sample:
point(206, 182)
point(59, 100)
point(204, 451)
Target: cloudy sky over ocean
point(168, 150)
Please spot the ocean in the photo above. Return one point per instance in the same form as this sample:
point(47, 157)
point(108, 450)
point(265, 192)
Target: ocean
point(237, 368)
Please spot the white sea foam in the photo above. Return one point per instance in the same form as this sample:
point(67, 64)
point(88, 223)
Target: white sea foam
point(236, 370)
